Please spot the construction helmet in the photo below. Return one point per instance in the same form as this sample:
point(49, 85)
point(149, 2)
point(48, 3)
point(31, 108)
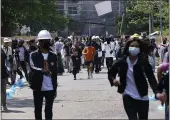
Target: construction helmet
point(44, 35)
point(134, 36)
point(7, 40)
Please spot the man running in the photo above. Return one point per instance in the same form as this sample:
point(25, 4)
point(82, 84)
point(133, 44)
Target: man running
point(89, 53)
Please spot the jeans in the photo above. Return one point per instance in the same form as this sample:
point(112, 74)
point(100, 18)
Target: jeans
point(38, 102)
point(136, 109)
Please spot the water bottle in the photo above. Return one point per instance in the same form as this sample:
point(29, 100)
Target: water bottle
point(20, 83)
point(12, 91)
point(8, 94)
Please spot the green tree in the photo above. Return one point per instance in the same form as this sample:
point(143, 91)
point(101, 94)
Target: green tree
point(38, 14)
point(137, 16)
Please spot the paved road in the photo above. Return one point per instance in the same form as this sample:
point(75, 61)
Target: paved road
point(80, 99)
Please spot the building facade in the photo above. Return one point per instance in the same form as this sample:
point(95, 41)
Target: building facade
point(85, 17)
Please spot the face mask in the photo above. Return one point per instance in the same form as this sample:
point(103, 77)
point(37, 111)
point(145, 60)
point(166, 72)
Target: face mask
point(108, 42)
point(45, 44)
point(164, 42)
point(134, 51)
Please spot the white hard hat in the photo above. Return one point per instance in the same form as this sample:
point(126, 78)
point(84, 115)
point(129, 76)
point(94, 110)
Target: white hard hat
point(7, 40)
point(97, 37)
point(44, 34)
point(93, 37)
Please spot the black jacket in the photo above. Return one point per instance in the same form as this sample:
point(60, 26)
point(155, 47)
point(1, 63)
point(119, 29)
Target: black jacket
point(4, 71)
point(164, 84)
point(36, 74)
point(141, 68)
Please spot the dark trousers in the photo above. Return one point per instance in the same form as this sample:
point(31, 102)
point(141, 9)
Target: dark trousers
point(76, 64)
point(103, 57)
point(38, 102)
point(109, 62)
point(24, 68)
point(97, 64)
point(136, 109)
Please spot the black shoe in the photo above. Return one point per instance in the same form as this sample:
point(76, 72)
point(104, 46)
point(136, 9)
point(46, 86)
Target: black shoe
point(74, 77)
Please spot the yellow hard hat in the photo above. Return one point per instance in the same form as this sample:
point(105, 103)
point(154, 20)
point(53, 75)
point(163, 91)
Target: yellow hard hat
point(135, 36)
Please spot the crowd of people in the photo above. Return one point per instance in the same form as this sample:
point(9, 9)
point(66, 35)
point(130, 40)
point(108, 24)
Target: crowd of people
point(132, 57)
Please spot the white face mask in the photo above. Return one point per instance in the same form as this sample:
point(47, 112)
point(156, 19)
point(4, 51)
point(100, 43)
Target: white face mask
point(134, 51)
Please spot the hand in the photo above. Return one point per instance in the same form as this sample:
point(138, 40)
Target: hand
point(162, 97)
point(116, 82)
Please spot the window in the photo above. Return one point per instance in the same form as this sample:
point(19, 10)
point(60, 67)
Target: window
point(60, 9)
point(72, 10)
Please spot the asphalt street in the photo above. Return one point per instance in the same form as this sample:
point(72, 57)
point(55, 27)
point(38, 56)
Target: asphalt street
point(78, 99)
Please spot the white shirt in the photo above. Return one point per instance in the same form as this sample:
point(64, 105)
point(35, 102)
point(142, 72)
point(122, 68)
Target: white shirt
point(108, 48)
point(99, 53)
point(47, 81)
point(131, 89)
point(21, 54)
point(116, 45)
point(7, 51)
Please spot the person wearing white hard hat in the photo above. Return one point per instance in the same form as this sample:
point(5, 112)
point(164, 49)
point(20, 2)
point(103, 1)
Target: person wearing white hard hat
point(8, 52)
point(43, 76)
point(7, 47)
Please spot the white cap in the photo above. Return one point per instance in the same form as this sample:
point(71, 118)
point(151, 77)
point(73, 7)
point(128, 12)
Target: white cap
point(7, 40)
point(44, 34)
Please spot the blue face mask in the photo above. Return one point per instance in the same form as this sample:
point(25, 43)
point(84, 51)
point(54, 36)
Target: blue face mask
point(134, 51)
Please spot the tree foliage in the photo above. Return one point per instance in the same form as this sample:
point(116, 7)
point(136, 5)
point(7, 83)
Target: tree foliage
point(136, 19)
point(38, 14)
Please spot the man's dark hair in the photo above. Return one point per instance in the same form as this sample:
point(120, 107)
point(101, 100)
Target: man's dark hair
point(56, 39)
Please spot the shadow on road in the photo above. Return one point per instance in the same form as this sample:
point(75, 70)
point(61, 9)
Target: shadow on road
point(12, 111)
point(20, 103)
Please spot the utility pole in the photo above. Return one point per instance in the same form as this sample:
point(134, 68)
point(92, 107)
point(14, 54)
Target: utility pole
point(119, 7)
point(89, 28)
point(160, 12)
point(121, 24)
point(66, 14)
point(104, 28)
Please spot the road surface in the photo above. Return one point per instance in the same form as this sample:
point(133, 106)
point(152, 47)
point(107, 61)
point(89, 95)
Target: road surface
point(78, 99)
